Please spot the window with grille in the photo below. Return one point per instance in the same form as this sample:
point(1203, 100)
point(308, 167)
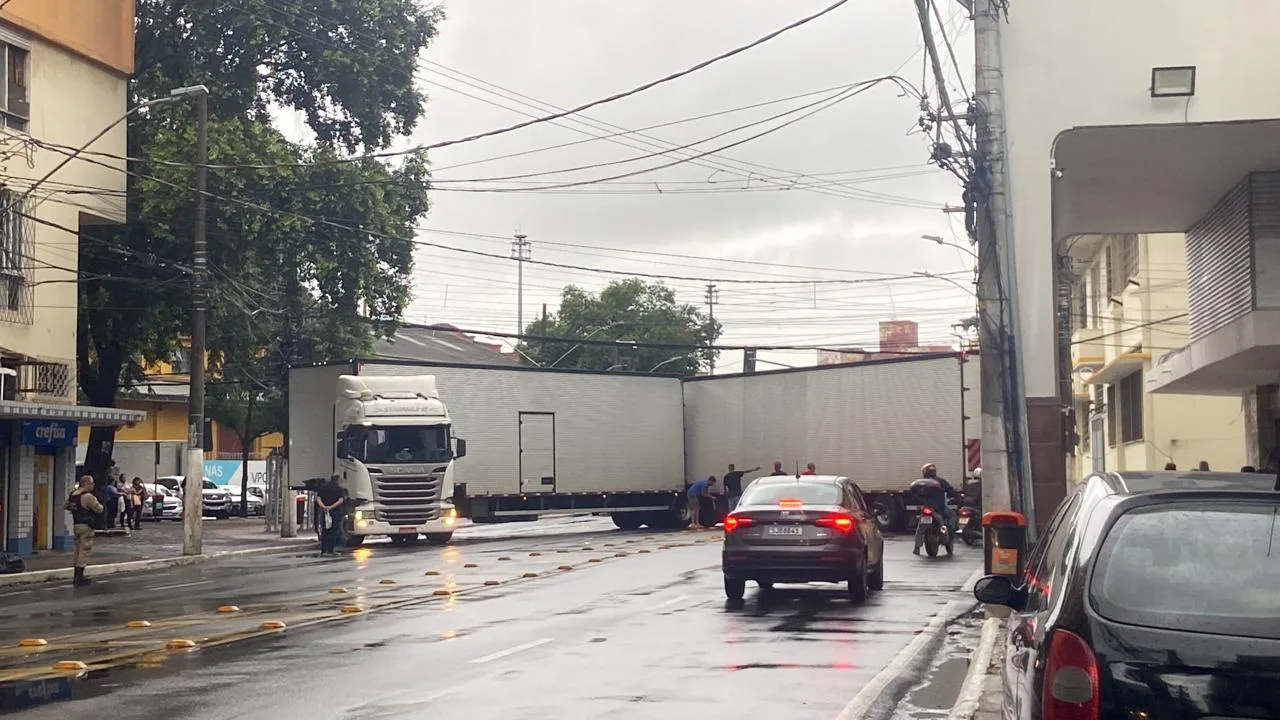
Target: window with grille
point(1111, 271)
point(1095, 296)
point(1131, 408)
point(14, 246)
point(1129, 258)
point(1111, 415)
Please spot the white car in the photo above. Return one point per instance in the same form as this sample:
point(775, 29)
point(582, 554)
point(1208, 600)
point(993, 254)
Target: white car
point(257, 506)
point(170, 503)
point(217, 502)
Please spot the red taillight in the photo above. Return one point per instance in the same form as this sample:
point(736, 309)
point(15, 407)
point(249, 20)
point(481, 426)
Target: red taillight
point(965, 512)
point(733, 522)
point(1070, 679)
point(839, 523)
point(790, 503)
point(926, 511)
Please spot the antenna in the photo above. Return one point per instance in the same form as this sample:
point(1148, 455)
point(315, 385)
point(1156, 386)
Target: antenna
point(797, 469)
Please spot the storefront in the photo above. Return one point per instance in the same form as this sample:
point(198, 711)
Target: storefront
point(38, 463)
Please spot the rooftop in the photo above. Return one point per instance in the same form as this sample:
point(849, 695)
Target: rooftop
point(433, 344)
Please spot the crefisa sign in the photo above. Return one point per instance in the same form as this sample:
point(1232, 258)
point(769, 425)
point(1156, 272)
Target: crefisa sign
point(49, 433)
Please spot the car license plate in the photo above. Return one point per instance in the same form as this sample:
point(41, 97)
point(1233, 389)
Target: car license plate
point(408, 530)
point(785, 530)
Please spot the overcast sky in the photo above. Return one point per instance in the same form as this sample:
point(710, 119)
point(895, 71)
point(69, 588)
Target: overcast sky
point(567, 52)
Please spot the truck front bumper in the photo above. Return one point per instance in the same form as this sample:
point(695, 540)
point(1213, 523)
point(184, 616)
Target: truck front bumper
point(364, 522)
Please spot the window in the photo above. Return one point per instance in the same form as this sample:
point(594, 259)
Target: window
point(809, 493)
point(180, 361)
point(1109, 256)
point(1129, 255)
point(1080, 309)
point(1047, 563)
point(1095, 296)
point(1111, 415)
point(399, 444)
point(1172, 566)
point(1131, 407)
point(15, 102)
point(15, 247)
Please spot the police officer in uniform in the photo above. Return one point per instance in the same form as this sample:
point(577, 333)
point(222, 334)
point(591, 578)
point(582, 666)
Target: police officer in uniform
point(86, 516)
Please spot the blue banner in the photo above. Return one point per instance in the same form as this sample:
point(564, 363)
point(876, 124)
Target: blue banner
point(222, 472)
point(49, 433)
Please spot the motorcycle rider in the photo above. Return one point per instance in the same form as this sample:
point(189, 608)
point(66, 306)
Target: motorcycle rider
point(932, 491)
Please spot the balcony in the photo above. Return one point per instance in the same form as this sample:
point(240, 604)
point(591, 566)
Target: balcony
point(1088, 352)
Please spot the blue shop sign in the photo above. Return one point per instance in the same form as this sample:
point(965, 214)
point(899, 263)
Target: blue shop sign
point(49, 433)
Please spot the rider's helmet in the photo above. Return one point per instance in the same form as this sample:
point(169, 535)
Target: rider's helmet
point(928, 470)
point(977, 473)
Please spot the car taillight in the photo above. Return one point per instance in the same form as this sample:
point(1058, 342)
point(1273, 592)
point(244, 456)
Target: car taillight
point(1070, 679)
point(733, 522)
point(926, 511)
point(790, 503)
point(839, 523)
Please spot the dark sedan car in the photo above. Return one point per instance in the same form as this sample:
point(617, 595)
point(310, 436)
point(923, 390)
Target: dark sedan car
point(1151, 595)
point(811, 528)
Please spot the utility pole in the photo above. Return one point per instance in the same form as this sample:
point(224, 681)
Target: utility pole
point(193, 493)
point(712, 296)
point(1005, 462)
point(289, 519)
point(521, 252)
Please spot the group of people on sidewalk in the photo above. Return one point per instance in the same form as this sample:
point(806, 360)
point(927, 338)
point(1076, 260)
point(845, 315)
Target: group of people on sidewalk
point(124, 503)
point(732, 489)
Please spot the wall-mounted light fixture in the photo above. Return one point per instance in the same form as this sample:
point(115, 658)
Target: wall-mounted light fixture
point(1174, 81)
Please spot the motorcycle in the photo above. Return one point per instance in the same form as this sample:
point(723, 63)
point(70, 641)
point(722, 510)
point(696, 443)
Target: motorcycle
point(970, 526)
point(936, 532)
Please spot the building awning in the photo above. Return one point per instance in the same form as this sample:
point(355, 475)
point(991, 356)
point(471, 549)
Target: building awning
point(81, 414)
point(1235, 358)
point(1120, 179)
point(1120, 366)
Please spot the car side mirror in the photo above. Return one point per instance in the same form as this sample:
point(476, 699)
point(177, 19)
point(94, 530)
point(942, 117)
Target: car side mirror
point(461, 449)
point(999, 590)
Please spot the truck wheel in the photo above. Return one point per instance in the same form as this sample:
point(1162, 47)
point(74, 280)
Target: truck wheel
point(438, 538)
point(346, 538)
point(627, 521)
point(888, 511)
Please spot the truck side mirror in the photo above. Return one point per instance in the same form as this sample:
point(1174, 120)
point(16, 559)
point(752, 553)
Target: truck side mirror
point(461, 450)
point(341, 444)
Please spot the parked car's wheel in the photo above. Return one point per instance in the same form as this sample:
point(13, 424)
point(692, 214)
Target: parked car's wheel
point(734, 588)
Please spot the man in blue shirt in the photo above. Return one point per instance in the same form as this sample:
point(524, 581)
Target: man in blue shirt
point(697, 491)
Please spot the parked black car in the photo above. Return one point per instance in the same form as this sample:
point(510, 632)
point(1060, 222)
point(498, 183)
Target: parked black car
point(1150, 595)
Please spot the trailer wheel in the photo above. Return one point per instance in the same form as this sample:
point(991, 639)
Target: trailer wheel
point(628, 520)
point(438, 538)
point(677, 518)
point(888, 511)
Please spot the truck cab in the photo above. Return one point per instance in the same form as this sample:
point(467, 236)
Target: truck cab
point(394, 450)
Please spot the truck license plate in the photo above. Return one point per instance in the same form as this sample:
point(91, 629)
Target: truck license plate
point(409, 531)
point(786, 530)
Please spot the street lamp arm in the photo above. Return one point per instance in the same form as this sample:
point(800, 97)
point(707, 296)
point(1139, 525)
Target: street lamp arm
point(587, 337)
point(932, 276)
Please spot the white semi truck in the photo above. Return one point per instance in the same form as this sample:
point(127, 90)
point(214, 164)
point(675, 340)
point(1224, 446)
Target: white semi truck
point(390, 442)
point(541, 442)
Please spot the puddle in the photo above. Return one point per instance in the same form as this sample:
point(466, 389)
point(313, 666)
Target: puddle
point(935, 692)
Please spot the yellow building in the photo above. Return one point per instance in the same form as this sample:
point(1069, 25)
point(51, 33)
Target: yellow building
point(64, 79)
point(1129, 308)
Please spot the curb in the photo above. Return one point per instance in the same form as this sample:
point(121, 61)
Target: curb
point(98, 571)
point(866, 700)
point(975, 679)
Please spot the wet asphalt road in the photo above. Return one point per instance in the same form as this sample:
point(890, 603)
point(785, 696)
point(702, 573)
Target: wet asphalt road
point(641, 636)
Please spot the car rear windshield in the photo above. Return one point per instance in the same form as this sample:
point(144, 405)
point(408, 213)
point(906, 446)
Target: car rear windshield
point(1212, 568)
point(809, 493)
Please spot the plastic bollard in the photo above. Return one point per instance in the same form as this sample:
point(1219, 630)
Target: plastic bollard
point(1004, 547)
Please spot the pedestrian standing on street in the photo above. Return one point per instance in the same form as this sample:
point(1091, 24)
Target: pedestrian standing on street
point(137, 500)
point(697, 491)
point(733, 484)
point(113, 502)
point(777, 468)
point(810, 469)
point(329, 505)
point(86, 516)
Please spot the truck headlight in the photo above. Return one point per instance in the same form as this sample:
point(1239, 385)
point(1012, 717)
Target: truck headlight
point(451, 516)
point(359, 515)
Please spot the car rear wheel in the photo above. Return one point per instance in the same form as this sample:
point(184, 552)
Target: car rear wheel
point(875, 579)
point(858, 589)
point(734, 588)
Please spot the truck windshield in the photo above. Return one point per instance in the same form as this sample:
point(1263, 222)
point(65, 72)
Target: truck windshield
point(404, 444)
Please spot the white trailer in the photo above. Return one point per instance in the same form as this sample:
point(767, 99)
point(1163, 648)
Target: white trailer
point(538, 441)
point(875, 421)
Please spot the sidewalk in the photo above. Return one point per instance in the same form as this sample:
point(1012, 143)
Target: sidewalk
point(159, 544)
point(980, 697)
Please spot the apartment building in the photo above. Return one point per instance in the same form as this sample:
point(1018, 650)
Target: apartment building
point(1129, 310)
point(64, 66)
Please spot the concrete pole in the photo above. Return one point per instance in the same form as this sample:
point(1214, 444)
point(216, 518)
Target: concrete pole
point(193, 493)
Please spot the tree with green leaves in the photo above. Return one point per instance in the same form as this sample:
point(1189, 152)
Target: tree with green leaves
point(627, 313)
point(309, 258)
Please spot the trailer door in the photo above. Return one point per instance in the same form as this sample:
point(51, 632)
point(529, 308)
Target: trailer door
point(537, 452)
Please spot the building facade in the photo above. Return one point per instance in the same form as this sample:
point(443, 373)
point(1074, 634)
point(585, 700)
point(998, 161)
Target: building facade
point(1128, 312)
point(66, 65)
point(1136, 125)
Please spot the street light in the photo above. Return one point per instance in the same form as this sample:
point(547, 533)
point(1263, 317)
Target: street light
point(953, 281)
point(668, 360)
point(956, 245)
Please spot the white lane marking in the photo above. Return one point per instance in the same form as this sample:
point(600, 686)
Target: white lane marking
point(179, 585)
point(672, 601)
point(511, 651)
point(870, 693)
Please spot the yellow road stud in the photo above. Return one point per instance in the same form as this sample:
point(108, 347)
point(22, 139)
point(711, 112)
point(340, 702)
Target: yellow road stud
point(138, 624)
point(272, 625)
point(72, 665)
point(491, 583)
point(32, 642)
point(180, 644)
point(227, 609)
point(530, 575)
